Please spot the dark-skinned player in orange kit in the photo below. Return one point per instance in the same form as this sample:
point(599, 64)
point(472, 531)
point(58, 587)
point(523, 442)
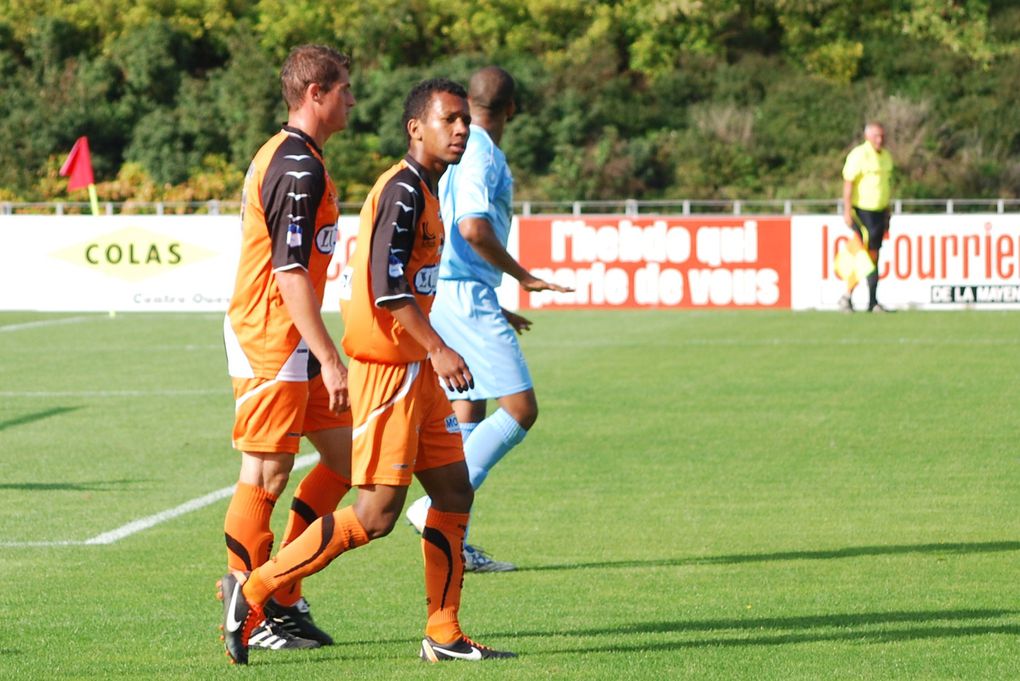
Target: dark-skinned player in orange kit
point(403, 423)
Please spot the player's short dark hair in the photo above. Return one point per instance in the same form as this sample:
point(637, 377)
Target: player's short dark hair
point(491, 88)
point(307, 64)
point(418, 99)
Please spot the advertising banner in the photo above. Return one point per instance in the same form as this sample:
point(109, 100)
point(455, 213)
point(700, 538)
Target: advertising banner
point(188, 263)
point(117, 263)
point(926, 262)
point(680, 262)
point(129, 263)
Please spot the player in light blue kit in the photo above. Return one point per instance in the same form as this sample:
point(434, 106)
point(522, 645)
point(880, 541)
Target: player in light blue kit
point(475, 198)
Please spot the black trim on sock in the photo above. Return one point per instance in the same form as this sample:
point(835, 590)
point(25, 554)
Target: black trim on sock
point(302, 509)
point(438, 539)
point(237, 548)
point(328, 528)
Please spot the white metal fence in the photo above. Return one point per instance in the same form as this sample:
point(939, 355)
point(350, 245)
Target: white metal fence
point(617, 207)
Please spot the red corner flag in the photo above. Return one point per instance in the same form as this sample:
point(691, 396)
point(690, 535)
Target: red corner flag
point(78, 165)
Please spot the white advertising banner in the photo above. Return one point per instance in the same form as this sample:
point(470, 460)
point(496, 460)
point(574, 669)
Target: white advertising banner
point(188, 263)
point(127, 263)
point(347, 237)
point(117, 263)
point(933, 262)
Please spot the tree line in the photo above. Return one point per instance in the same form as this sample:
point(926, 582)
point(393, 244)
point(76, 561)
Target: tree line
point(648, 99)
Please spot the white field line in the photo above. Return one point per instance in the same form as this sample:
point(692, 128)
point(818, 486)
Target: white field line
point(112, 393)
point(43, 322)
point(145, 523)
point(778, 342)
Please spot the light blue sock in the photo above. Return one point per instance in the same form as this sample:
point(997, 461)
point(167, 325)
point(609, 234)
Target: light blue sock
point(466, 429)
point(490, 441)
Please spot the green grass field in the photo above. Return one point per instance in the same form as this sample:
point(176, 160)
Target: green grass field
point(706, 495)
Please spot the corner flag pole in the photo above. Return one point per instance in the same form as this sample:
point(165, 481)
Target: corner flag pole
point(78, 169)
point(93, 199)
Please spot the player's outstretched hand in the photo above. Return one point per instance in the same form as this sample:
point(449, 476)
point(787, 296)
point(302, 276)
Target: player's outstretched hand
point(530, 283)
point(520, 324)
point(452, 369)
point(334, 378)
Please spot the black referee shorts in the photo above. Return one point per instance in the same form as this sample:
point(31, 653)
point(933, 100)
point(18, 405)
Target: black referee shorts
point(876, 222)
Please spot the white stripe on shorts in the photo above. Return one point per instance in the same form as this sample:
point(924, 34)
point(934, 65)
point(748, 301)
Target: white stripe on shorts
point(412, 373)
point(252, 393)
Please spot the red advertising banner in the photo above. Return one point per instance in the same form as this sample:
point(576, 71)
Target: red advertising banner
point(682, 262)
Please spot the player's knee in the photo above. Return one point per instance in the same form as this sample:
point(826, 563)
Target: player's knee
point(276, 483)
point(456, 498)
point(464, 497)
point(524, 412)
point(529, 416)
point(379, 525)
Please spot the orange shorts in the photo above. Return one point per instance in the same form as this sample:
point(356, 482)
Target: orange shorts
point(403, 422)
point(271, 415)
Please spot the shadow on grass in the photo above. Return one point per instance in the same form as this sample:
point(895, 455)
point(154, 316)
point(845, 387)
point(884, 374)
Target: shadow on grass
point(853, 636)
point(791, 625)
point(862, 628)
point(37, 416)
point(861, 637)
point(97, 486)
point(833, 554)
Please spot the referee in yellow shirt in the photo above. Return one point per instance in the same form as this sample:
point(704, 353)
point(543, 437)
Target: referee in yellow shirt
point(867, 174)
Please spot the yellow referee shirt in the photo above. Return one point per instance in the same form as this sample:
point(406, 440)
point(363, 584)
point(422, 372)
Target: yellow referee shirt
point(871, 173)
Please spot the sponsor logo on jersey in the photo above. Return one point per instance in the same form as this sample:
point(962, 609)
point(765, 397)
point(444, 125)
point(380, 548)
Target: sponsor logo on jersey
point(425, 280)
point(396, 268)
point(451, 424)
point(426, 235)
point(293, 236)
point(325, 239)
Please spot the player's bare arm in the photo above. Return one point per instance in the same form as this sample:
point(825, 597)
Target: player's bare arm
point(449, 365)
point(478, 232)
point(302, 304)
point(848, 192)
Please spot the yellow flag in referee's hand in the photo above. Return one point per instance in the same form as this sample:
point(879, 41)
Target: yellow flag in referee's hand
point(853, 263)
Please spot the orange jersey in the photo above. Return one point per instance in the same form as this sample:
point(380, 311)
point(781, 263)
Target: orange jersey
point(400, 241)
point(289, 214)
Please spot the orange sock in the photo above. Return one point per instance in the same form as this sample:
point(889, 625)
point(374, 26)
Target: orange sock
point(324, 540)
point(246, 527)
point(318, 494)
point(442, 545)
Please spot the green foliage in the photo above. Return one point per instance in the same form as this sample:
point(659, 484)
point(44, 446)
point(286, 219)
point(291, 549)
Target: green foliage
point(639, 98)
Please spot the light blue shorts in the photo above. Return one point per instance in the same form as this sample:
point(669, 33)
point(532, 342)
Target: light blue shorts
point(467, 316)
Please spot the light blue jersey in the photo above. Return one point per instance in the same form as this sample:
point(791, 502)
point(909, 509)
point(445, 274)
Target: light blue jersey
point(467, 314)
point(481, 185)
